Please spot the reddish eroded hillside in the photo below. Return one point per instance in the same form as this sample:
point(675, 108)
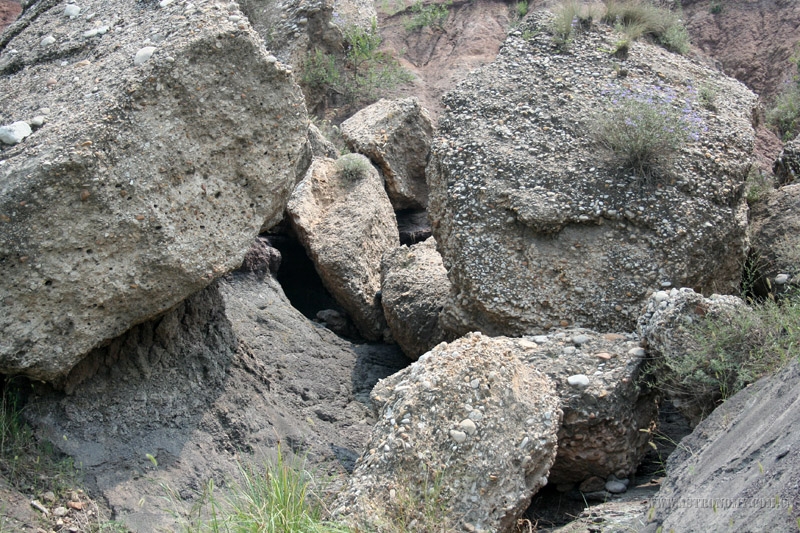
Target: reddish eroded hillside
point(753, 40)
point(441, 54)
point(9, 11)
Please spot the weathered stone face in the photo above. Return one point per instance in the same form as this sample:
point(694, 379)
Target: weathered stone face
point(467, 418)
point(414, 286)
point(149, 177)
point(396, 136)
point(538, 229)
point(345, 222)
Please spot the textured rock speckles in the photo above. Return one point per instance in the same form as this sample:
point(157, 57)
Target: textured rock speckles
point(537, 229)
point(489, 466)
point(396, 136)
point(345, 221)
point(183, 160)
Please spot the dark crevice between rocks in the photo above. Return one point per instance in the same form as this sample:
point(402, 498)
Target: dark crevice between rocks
point(554, 507)
point(413, 226)
point(304, 288)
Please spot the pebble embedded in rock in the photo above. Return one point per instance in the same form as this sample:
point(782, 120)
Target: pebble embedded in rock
point(458, 436)
point(143, 55)
point(616, 487)
point(578, 380)
point(468, 426)
point(578, 340)
point(15, 133)
point(72, 11)
point(47, 41)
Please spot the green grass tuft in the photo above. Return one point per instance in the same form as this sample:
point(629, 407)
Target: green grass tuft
point(277, 497)
point(727, 353)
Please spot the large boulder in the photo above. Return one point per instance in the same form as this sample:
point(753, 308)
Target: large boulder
point(414, 287)
point(775, 236)
point(396, 136)
point(738, 470)
point(608, 410)
point(344, 220)
point(467, 431)
point(669, 328)
point(166, 139)
point(537, 229)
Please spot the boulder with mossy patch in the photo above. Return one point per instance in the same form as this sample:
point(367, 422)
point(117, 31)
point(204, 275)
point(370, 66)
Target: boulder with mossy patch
point(345, 221)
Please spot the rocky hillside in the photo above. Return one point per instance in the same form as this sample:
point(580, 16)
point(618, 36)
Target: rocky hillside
point(195, 279)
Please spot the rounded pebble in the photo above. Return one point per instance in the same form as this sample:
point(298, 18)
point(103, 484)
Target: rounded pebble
point(47, 41)
point(616, 487)
point(468, 426)
point(14, 133)
point(780, 279)
point(143, 55)
point(578, 380)
point(72, 11)
point(458, 436)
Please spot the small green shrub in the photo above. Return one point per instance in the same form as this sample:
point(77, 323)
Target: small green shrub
point(708, 97)
point(320, 71)
point(716, 7)
point(784, 115)
point(637, 18)
point(727, 353)
point(757, 185)
point(278, 497)
point(644, 127)
point(521, 8)
point(427, 16)
point(371, 70)
point(359, 76)
point(571, 16)
point(352, 167)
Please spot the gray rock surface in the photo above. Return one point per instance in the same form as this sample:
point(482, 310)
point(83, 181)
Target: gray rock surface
point(224, 377)
point(414, 287)
point(787, 166)
point(738, 470)
point(667, 328)
point(396, 136)
point(291, 27)
point(537, 229)
point(775, 237)
point(467, 418)
point(607, 411)
point(146, 182)
point(345, 222)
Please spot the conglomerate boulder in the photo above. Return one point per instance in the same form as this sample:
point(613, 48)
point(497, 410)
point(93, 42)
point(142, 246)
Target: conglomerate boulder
point(537, 228)
point(775, 236)
point(344, 220)
point(414, 287)
point(165, 138)
point(469, 429)
point(608, 411)
point(669, 329)
point(396, 136)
